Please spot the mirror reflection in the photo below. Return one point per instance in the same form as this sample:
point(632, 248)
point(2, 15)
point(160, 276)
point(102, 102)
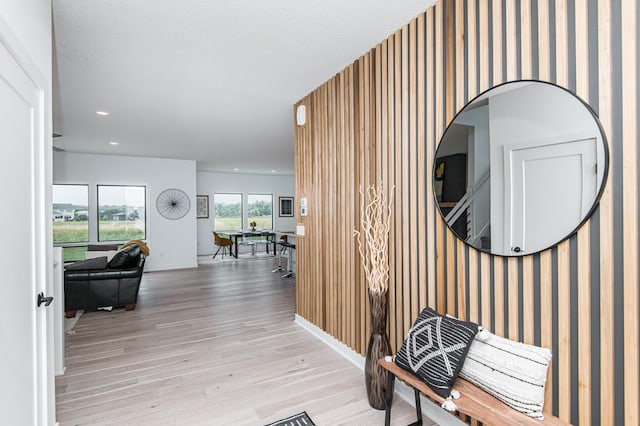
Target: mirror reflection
point(520, 168)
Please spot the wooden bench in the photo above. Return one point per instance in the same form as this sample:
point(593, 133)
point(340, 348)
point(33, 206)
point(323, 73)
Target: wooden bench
point(473, 401)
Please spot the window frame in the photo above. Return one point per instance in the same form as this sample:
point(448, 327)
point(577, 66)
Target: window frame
point(215, 214)
point(79, 242)
point(144, 197)
point(272, 207)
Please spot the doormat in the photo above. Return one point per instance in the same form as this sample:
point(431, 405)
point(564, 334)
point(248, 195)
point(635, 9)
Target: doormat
point(301, 419)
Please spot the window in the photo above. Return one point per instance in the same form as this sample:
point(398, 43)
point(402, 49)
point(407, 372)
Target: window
point(260, 210)
point(121, 213)
point(228, 212)
point(70, 213)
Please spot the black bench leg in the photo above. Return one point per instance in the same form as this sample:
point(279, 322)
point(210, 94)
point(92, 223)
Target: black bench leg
point(418, 408)
point(389, 398)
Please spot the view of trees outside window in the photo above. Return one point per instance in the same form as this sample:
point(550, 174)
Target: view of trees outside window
point(121, 213)
point(70, 213)
point(228, 212)
point(260, 210)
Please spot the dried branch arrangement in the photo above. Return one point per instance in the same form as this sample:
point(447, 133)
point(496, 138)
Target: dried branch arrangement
point(373, 238)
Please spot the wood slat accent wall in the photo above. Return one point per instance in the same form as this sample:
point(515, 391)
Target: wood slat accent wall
point(380, 120)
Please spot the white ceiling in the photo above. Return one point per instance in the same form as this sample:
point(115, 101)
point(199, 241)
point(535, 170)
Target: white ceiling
point(206, 80)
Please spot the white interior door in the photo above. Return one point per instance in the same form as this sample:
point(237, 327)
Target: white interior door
point(25, 384)
point(550, 190)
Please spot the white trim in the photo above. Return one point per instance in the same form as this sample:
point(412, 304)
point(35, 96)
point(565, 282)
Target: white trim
point(429, 408)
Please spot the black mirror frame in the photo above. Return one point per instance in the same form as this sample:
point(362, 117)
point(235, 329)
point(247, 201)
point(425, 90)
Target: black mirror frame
point(596, 200)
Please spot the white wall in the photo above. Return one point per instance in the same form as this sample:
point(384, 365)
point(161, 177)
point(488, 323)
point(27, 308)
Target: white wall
point(172, 243)
point(30, 22)
point(210, 182)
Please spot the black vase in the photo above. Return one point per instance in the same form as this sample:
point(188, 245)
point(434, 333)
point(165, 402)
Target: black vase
point(375, 376)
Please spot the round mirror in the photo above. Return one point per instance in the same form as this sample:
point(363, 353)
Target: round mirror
point(519, 168)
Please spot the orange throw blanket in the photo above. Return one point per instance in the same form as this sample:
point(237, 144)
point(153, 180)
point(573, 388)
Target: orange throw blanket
point(143, 247)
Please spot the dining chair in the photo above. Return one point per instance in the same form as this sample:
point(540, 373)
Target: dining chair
point(222, 243)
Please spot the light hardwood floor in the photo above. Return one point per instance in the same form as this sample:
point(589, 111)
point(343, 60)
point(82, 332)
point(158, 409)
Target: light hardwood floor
point(216, 345)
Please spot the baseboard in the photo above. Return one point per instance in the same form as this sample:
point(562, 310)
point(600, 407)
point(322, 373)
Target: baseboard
point(169, 267)
point(429, 408)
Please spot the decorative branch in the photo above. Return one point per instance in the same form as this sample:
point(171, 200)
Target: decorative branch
point(373, 238)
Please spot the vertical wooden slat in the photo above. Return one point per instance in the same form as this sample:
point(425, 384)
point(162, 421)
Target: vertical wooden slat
point(484, 285)
point(629, 55)
point(450, 267)
point(512, 284)
point(527, 300)
point(430, 140)
point(412, 172)
point(342, 165)
point(333, 177)
point(449, 51)
point(398, 180)
point(584, 237)
point(459, 302)
point(361, 160)
point(459, 71)
point(498, 261)
point(353, 183)
point(423, 170)
point(472, 86)
point(397, 171)
point(483, 27)
point(525, 40)
point(546, 301)
point(473, 289)
point(544, 52)
point(527, 261)
point(607, 393)
point(404, 167)
point(461, 285)
point(496, 24)
point(564, 343)
point(512, 263)
point(510, 32)
point(564, 276)
point(382, 150)
point(546, 316)
point(485, 288)
point(393, 285)
point(440, 116)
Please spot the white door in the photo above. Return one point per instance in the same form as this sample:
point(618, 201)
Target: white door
point(552, 188)
point(25, 380)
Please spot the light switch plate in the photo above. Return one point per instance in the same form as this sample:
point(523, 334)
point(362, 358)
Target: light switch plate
point(300, 230)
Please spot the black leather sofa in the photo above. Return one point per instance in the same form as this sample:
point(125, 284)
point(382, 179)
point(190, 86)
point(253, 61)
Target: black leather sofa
point(94, 283)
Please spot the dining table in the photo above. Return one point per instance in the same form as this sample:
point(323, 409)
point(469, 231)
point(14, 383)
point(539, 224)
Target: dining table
point(236, 235)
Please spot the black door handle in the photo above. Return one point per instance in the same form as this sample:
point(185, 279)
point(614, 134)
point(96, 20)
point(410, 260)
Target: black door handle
point(46, 300)
point(516, 249)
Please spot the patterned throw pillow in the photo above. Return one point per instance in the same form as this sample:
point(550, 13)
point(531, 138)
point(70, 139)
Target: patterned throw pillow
point(513, 372)
point(435, 349)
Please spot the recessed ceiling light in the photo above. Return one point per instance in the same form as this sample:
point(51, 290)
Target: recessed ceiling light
point(114, 143)
point(236, 169)
point(102, 113)
point(274, 171)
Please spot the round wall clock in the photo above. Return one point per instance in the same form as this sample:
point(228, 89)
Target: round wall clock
point(173, 203)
